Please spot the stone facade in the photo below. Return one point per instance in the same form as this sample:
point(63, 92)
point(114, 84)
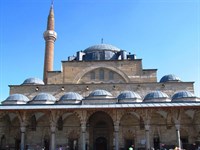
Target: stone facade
point(102, 99)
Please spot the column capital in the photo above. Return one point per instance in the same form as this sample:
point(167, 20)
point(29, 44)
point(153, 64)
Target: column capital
point(23, 129)
point(53, 129)
point(23, 126)
point(116, 128)
point(83, 126)
point(177, 126)
point(147, 127)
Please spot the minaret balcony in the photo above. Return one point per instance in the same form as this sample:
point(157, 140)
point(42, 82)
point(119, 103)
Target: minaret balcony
point(50, 35)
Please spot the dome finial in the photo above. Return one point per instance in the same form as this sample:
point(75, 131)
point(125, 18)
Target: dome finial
point(101, 40)
point(52, 2)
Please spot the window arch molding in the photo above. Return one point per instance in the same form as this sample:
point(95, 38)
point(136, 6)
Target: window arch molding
point(89, 69)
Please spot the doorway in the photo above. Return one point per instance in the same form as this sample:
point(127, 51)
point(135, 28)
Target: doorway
point(17, 144)
point(156, 143)
point(46, 144)
point(129, 143)
point(101, 143)
point(100, 127)
point(73, 144)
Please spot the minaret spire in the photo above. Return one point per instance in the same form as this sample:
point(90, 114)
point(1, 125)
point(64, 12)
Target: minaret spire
point(50, 36)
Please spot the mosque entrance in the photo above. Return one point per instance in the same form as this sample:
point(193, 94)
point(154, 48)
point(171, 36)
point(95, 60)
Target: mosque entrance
point(101, 143)
point(156, 142)
point(100, 131)
point(17, 144)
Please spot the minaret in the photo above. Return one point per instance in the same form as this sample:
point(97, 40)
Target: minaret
point(50, 36)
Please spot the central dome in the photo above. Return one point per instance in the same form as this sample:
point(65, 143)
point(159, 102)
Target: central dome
point(100, 47)
point(101, 52)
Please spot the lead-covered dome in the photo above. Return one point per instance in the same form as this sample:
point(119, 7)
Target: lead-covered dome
point(33, 81)
point(129, 97)
point(156, 96)
point(70, 98)
point(101, 52)
point(99, 97)
point(43, 98)
point(16, 99)
point(100, 92)
point(183, 96)
point(100, 47)
point(170, 78)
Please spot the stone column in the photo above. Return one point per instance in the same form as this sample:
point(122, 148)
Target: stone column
point(147, 127)
point(116, 127)
point(178, 138)
point(23, 130)
point(83, 132)
point(53, 130)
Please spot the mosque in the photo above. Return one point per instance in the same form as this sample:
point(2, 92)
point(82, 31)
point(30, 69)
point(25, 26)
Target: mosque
point(102, 99)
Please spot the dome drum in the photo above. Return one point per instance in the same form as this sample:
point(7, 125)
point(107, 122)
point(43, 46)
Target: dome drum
point(102, 52)
point(101, 55)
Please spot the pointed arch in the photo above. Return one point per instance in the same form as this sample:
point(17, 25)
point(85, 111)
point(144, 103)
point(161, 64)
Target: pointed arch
point(89, 69)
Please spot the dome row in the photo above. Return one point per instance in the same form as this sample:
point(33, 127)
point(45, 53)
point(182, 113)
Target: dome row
point(124, 97)
point(37, 81)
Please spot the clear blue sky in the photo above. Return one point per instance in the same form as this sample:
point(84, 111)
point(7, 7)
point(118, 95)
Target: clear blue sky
point(164, 33)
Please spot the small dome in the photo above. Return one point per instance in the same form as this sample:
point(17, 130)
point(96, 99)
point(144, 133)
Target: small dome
point(33, 81)
point(100, 93)
point(100, 47)
point(183, 96)
point(129, 96)
point(70, 98)
point(43, 98)
point(156, 96)
point(170, 78)
point(16, 99)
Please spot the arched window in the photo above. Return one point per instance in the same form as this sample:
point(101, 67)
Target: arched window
point(60, 124)
point(101, 74)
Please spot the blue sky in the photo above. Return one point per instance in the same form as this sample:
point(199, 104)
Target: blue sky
point(164, 33)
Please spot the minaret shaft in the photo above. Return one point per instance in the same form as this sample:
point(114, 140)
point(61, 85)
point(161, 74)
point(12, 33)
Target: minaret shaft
point(50, 36)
